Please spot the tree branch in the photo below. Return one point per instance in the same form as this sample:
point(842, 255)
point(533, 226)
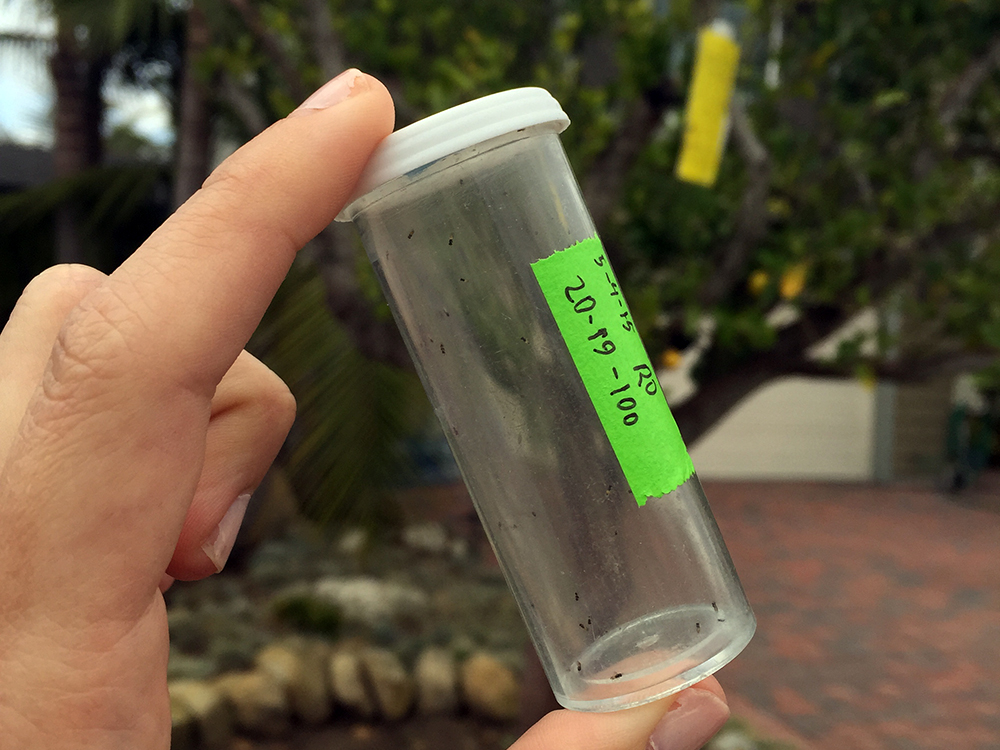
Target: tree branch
point(963, 88)
point(376, 338)
point(243, 105)
point(978, 150)
point(326, 47)
point(751, 220)
point(603, 185)
point(730, 382)
point(906, 369)
point(273, 47)
point(726, 382)
point(194, 131)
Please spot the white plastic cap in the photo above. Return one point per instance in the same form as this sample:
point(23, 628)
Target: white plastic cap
point(532, 110)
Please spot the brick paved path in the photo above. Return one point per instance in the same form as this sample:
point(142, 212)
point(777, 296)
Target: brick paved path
point(878, 614)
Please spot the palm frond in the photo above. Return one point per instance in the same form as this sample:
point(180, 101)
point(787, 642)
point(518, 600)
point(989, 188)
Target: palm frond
point(27, 41)
point(24, 54)
point(344, 453)
point(111, 195)
point(111, 22)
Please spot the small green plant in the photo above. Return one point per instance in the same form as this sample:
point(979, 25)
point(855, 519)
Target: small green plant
point(308, 614)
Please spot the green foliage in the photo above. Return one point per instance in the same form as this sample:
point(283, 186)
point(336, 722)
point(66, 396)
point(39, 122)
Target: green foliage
point(307, 614)
point(869, 185)
point(110, 22)
point(115, 207)
point(883, 187)
point(344, 453)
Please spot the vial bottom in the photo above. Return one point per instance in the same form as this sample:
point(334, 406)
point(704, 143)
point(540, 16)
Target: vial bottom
point(652, 657)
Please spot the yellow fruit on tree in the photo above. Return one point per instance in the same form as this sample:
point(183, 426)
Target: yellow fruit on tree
point(670, 359)
point(758, 282)
point(793, 281)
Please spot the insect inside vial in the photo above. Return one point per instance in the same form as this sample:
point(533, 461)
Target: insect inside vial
point(697, 627)
point(579, 667)
point(616, 676)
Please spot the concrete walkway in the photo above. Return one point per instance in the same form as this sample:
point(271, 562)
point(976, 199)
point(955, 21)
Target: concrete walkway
point(878, 614)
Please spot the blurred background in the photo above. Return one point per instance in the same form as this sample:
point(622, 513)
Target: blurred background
point(824, 312)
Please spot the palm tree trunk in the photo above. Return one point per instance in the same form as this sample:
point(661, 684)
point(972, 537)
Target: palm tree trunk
point(79, 110)
point(194, 132)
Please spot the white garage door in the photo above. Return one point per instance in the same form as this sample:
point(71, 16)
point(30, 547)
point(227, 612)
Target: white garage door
point(794, 428)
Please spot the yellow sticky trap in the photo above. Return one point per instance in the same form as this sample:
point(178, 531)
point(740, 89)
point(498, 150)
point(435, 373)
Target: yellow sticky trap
point(708, 107)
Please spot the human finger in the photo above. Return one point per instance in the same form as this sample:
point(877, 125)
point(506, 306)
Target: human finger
point(252, 412)
point(196, 289)
point(26, 341)
point(118, 430)
point(683, 721)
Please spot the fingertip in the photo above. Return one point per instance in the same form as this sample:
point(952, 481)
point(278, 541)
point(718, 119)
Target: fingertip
point(615, 730)
point(695, 717)
point(711, 685)
point(350, 83)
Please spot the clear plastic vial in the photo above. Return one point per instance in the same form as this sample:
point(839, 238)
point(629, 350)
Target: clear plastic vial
point(490, 261)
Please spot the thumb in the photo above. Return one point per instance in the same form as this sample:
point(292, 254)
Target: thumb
point(684, 721)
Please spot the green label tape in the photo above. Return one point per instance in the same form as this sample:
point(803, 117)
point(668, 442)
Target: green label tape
point(596, 325)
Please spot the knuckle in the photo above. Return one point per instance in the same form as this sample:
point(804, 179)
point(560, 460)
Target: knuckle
point(280, 400)
point(227, 195)
point(91, 347)
point(253, 386)
point(58, 285)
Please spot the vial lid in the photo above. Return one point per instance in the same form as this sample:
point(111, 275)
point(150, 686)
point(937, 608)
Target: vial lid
point(530, 110)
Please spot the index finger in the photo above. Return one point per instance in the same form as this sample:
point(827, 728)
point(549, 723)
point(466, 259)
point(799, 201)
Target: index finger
point(191, 296)
point(112, 445)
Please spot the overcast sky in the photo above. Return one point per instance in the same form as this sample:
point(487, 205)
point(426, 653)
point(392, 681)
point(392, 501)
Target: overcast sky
point(26, 89)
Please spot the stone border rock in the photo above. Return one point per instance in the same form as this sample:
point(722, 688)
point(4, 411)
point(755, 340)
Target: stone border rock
point(305, 682)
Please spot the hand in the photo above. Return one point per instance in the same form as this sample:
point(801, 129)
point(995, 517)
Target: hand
point(133, 426)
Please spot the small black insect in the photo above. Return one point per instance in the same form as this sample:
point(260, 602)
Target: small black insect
point(410, 235)
point(715, 606)
point(588, 621)
point(697, 627)
point(579, 667)
point(524, 340)
point(577, 595)
point(447, 314)
point(616, 676)
point(536, 516)
point(442, 348)
point(461, 279)
point(451, 239)
point(582, 626)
